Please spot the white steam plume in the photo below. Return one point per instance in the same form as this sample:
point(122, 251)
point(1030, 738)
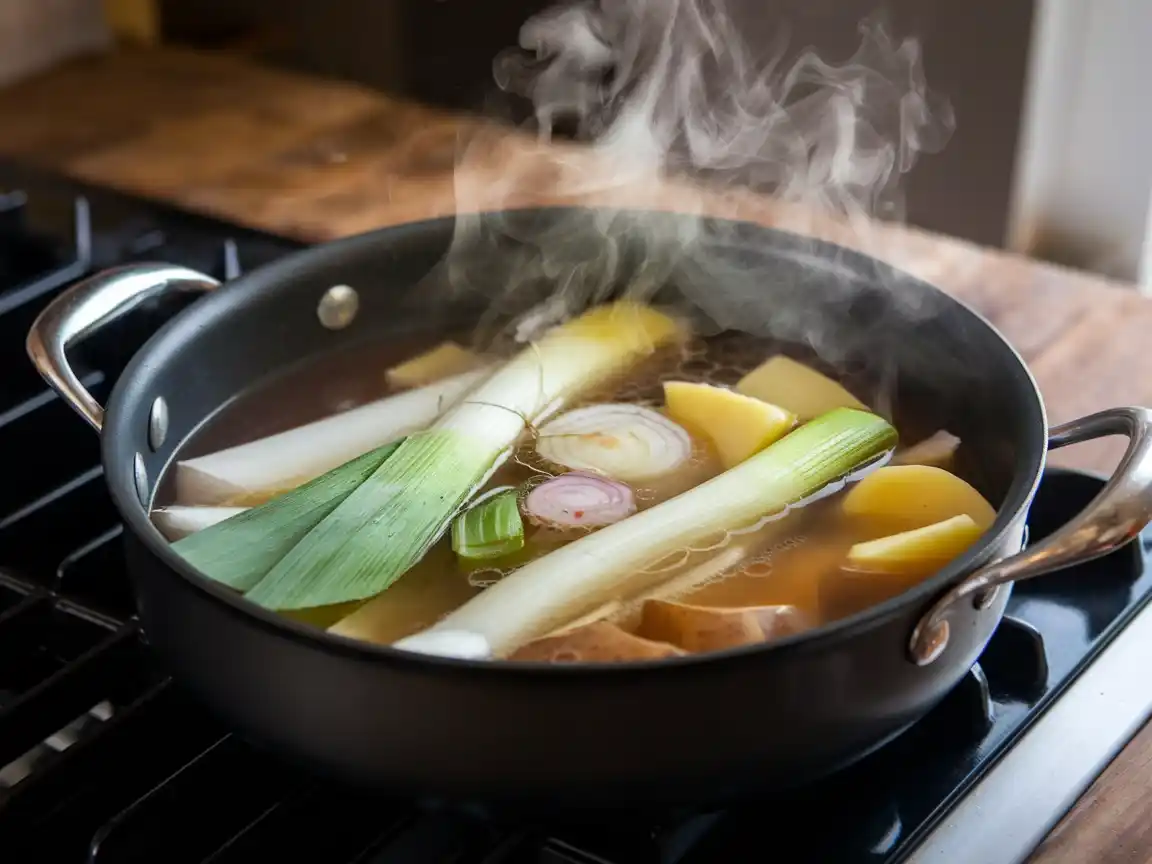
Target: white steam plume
point(672, 113)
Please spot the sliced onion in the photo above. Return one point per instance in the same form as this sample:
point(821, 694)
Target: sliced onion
point(579, 500)
point(626, 442)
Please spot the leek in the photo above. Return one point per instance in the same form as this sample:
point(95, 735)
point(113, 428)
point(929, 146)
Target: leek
point(287, 459)
point(684, 583)
point(597, 568)
point(388, 524)
point(240, 550)
point(490, 529)
point(177, 522)
point(617, 611)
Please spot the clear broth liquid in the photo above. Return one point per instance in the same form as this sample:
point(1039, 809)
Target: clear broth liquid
point(795, 561)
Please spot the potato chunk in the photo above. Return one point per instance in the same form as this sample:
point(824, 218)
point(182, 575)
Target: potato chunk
point(599, 642)
point(443, 361)
point(704, 628)
point(797, 388)
point(919, 552)
point(738, 425)
point(912, 496)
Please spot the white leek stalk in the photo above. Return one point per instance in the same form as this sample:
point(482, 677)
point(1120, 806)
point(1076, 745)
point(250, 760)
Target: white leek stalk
point(603, 566)
point(388, 524)
point(288, 459)
point(177, 522)
point(718, 565)
point(727, 558)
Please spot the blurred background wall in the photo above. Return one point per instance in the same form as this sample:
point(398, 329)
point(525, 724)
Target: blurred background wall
point(440, 51)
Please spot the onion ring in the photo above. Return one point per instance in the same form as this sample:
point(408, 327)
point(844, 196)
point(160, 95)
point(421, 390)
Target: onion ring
point(578, 500)
point(626, 442)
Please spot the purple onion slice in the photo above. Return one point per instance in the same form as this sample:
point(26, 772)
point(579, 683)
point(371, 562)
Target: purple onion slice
point(579, 500)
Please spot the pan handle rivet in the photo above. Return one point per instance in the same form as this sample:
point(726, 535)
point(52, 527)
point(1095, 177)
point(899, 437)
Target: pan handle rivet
point(140, 475)
point(157, 423)
point(984, 599)
point(338, 307)
point(929, 642)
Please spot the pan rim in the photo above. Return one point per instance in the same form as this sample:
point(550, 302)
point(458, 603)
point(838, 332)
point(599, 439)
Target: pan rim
point(118, 478)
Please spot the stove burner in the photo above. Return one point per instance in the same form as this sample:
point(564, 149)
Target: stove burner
point(103, 759)
point(1016, 656)
point(967, 713)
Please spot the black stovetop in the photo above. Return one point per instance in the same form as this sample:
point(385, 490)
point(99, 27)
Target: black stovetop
point(107, 761)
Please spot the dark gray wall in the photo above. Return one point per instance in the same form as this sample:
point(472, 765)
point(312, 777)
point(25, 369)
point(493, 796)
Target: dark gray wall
point(975, 51)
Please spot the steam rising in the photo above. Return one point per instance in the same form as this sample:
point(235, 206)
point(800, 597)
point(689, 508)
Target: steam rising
point(670, 113)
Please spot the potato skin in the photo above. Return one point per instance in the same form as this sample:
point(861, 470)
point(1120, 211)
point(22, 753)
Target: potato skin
point(703, 628)
point(598, 642)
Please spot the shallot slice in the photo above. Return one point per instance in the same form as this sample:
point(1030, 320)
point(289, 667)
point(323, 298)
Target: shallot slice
point(623, 441)
point(578, 500)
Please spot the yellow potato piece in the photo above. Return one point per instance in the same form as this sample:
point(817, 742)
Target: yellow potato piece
point(443, 361)
point(632, 328)
point(912, 496)
point(920, 552)
point(599, 642)
point(739, 426)
point(796, 388)
point(427, 592)
point(702, 628)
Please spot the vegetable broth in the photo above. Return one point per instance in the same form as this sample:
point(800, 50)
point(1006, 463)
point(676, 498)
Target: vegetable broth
point(799, 560)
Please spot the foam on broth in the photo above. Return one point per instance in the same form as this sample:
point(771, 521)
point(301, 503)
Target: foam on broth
point(796, 561)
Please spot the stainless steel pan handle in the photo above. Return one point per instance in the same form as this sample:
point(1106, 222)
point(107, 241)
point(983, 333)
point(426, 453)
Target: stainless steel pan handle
point(87, 306)
point(1116, 515)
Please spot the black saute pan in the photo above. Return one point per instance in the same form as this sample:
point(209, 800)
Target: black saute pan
point(688, 729)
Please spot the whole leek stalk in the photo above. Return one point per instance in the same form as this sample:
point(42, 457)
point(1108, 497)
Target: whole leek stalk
point(240, 550)
point(575, 579)
point(395, 516)
point(177, 521)
point(287, 459)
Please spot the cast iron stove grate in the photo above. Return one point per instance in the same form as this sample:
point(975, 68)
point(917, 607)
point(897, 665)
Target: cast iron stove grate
point(103, 760)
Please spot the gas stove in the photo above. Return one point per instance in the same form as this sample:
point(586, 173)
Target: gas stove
point(103, 759)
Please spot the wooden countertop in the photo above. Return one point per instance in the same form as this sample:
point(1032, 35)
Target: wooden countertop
point(317, 159)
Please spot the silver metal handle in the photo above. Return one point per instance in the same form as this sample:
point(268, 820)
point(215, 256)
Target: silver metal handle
point(87, 306)
point(1121, 510)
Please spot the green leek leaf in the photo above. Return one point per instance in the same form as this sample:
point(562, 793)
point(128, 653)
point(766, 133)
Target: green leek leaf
point(491, 529)
point(239, 551)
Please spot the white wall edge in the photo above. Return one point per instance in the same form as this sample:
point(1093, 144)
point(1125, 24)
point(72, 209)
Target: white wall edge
point(1083, 178)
